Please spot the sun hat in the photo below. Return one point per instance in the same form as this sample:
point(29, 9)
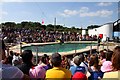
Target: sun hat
point(107, 66)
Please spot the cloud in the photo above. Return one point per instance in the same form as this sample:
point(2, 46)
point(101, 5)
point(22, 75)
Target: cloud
point(84, 9)
point(99, 13)
point(85, 12)
point(67, 13)
point(12, 0)
point(104, 4)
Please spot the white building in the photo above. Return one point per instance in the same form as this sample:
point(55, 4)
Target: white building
point(84, 32)
point(106, 30)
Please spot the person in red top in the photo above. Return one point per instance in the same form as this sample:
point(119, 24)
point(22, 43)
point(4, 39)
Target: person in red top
point(79, 76)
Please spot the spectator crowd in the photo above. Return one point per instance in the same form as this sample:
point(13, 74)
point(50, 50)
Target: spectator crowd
point(105, 65)
point(15, 35)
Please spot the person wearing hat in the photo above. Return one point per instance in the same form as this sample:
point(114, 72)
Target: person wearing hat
point(115, 73)
point(107, 65)
point(57, 71)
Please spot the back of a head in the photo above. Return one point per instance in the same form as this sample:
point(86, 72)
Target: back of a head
point(116, 58)
point(109, 55)
point(27, 56)
point(94, 60)
point(102, 53)
point(82, 58)
point(44, 59)
point(77, 60)
point(56, 59)
point(11, 53)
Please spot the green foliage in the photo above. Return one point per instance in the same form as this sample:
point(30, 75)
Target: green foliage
point(49, 27)
point(92, 26)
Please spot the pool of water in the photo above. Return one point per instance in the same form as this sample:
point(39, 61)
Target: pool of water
point(51, 48)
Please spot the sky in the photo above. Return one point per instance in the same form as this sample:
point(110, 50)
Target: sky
point(68, 14)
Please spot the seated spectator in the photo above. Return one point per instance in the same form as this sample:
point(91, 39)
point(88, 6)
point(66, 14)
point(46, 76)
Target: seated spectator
point(37, 72)
point(11, 57)
point(8, 60)
point(76, 68)
point(16, 60)
point(102, 57)
point(44, 61)
point(83, 63)
point(27, 61)
point(7, 71)
point(57, 71)
point(79, 76)
point(65, 63)
point(115, 73)
point(107, 65)
point(94, 68)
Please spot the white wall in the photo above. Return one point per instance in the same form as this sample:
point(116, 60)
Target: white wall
point(83, 32)
point(92, 32)
point(106, 30)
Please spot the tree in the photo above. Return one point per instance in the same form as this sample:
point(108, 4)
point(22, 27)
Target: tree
point(10, 24)
point(38, 26)
point(93, 26)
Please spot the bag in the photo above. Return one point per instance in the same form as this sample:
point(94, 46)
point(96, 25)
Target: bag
point(80, 69)
point(96, 75)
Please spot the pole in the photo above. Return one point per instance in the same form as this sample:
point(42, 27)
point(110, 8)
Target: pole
point(36, 54)
point(20, 43)
point(57, 48)
point(20, 48)
point(54, 24)
point(91, 48)
point(75, 49)
point(107, 43)
point(103, 45)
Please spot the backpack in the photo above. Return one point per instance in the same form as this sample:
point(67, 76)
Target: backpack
point(95, 75)
point(80, 69)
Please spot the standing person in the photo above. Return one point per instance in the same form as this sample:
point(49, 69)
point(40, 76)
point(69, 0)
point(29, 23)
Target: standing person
point(8, 71)
point(98, 44)
point(115, 73)
point(27, 61)
point(57, 71)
